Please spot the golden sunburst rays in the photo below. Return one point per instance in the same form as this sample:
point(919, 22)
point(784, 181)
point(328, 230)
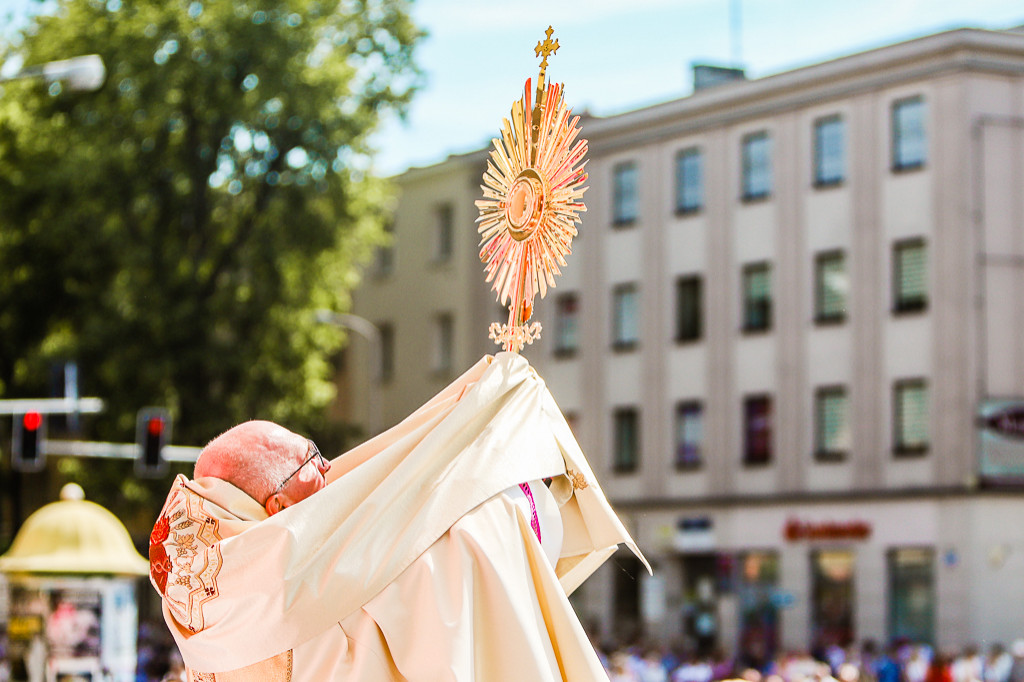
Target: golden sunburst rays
point(533, 196)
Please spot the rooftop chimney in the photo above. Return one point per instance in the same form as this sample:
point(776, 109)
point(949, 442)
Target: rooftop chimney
point(708, 76)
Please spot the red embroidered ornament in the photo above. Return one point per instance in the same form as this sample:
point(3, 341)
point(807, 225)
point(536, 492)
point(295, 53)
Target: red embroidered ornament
point(159, 563)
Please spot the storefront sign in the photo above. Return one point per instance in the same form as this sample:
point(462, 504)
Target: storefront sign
point(694, 534)
point(796, 530)
point(1006, 419)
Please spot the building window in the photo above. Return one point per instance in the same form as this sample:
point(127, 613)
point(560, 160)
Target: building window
point(830, 288)
point(909, 276)
point(567, 322)
point(829, 151)
point(911, 594)
point(909, 143)
point(444, 337)
point(689, 435)
point(689, 180)
point(757, 297)
point(689, 308)
point(757, 429)
point(831, 424)
point(624, 196)
point(573, 420)
point(387, 351)
point(384, 257)
point(625, 317)
point(626, 439)
point(757, 166)
point(910, 417)
point(444, 225)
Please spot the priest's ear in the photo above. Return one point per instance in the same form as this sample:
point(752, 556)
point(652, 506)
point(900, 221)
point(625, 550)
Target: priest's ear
point(274, 504)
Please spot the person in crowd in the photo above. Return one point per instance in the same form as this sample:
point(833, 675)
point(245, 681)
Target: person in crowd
point(887, 668)
point(694, 669)
point(939, 669)
point(997, 664)
point(1017, 666)
point(968, 666)
point(622, 668)
point(650, 667)
point(916, 667)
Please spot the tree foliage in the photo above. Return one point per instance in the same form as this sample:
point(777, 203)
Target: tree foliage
point(174, 231)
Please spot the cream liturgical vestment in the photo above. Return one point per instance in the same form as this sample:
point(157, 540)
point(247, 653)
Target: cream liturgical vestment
point(412, 564)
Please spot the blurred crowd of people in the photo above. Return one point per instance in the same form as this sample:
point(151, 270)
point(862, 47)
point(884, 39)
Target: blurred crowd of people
point(904, 662)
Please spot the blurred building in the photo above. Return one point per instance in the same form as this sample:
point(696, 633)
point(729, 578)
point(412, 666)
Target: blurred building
point(788, 340)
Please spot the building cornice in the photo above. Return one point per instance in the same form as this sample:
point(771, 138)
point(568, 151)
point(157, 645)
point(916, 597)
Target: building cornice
point(961, 50)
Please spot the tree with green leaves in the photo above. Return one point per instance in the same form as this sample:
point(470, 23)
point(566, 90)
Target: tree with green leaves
point(173, 231)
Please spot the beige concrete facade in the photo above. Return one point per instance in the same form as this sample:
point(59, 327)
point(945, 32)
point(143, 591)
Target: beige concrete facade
point(964, 204)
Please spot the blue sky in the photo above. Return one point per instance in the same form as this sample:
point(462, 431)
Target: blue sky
point(619, 55)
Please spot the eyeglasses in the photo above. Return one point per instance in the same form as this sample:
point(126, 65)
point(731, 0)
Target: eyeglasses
point(316, 454)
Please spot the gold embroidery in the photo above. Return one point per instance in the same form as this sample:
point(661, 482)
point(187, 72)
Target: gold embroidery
point(195, 557)
point(579, 481)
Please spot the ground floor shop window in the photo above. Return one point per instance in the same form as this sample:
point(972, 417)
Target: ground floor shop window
point(700, 602)
point(756, 583)
point(832, 598)
point(627, 625)
point(912, 594)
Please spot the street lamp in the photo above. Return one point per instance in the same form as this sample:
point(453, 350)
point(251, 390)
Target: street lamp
point(82, 74)
point(368, 330)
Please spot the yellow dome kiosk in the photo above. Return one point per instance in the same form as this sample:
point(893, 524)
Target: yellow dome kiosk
point(71, 573)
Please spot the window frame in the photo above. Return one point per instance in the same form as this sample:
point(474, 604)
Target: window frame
point(897, 135)
point(821, 453)
point(620, 465)
point(684, 336)
point(682, 206)
point(562, 350)
point(444, 232)
point(384, 255)
point(386, 371)
point(684, 407)
point(822, 317)
point(749, 460)
point(748, 193)
point(619, 219)
point(444, 344)
point(622, 344)
point(901, 305)
point(820, 123)
point(900, 447)
point(748, 325)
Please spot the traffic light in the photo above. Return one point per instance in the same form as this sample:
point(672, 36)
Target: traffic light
point(152, 433)
point(27, 452)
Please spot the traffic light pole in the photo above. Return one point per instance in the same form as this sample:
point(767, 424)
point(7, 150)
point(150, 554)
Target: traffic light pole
point(51, 405)
point(88, 448)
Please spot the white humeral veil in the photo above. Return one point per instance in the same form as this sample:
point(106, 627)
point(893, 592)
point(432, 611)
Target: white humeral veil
point(410, 564)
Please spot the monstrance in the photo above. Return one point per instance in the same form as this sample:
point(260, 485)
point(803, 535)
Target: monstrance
point(533, 196)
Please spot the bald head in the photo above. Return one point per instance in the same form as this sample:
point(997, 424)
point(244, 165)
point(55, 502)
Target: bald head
point(255, 456)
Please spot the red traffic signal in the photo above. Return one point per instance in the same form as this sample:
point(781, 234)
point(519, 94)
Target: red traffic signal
point(26, 451)
point(153, 426)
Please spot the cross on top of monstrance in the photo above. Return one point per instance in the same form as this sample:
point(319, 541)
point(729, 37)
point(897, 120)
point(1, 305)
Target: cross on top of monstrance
point(546, 48)
point(532, 201)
